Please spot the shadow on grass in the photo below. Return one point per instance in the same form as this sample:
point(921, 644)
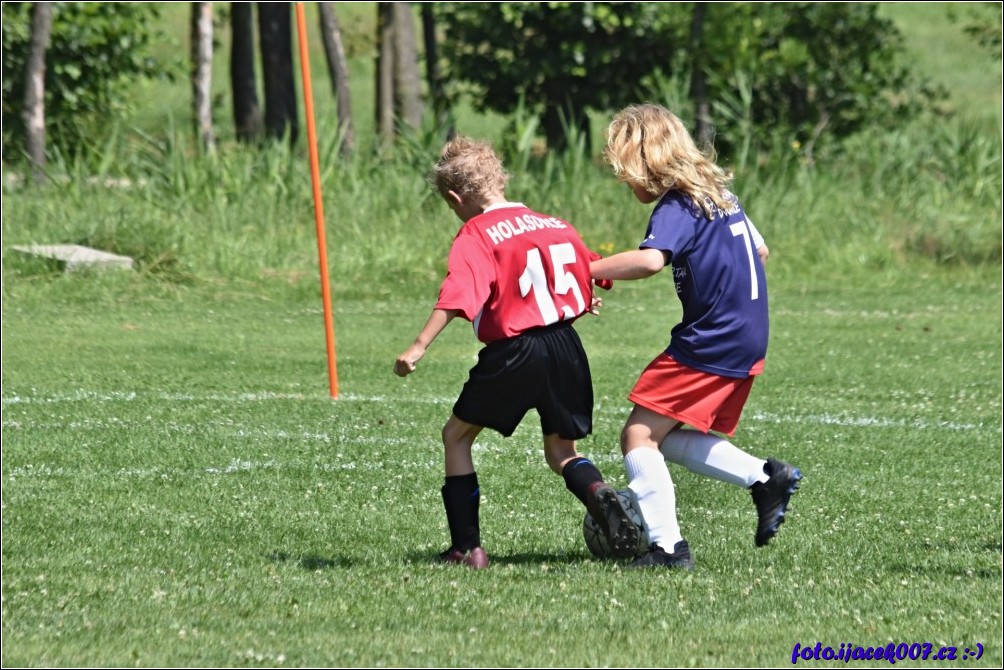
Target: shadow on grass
point(941, 571)
point(314, 563)
point(529, 558)
point(311, 563)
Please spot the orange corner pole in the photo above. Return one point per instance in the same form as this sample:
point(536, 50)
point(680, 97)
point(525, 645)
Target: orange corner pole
point(315, 175)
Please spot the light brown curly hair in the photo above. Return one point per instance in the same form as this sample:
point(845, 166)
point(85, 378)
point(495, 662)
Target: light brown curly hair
point(470, 168)
point(649, 147)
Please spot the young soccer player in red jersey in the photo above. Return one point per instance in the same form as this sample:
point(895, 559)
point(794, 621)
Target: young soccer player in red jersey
point(522, 278)
point(703, 378)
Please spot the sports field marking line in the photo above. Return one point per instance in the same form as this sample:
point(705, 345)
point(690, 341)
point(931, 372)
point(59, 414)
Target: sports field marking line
point(257, 396)
point(265, 396)
point(213, 427)
point(236, 465)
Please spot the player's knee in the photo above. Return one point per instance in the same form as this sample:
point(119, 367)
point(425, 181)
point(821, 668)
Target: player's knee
point(635, 435)
point(626, 437)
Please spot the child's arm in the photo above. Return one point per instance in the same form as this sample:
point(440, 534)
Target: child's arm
point(761, 247)
point(605, 284)
point(636, 264)
point(406, 362)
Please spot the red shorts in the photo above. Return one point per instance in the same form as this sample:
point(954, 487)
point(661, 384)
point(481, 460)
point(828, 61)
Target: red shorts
point(699, 399)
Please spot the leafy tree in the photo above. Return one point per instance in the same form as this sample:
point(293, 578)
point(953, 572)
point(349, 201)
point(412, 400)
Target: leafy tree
point(560, 59)
point(98, 51)
point(808, 68)
point(801, 69)
point(982, 22)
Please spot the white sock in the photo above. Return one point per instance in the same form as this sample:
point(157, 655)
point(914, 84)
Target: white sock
point(649, 478)
point(711, 456)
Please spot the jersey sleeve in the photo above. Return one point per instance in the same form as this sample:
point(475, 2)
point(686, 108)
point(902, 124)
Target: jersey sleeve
point(758, 240)
point(469, 278)
point(670, 228)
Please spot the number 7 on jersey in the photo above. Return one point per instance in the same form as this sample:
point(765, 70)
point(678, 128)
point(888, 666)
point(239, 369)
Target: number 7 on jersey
point(740, 228)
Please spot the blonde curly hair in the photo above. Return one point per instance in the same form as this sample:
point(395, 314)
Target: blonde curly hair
point(649, 147)
point(470, 168)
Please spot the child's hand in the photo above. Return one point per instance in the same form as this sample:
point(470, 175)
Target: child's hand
point(407, 361)
point(594, 308)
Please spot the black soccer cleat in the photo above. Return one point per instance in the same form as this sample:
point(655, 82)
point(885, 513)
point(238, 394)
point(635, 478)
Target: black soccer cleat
point(771, 498)
point(657, 557)
point(606, 509)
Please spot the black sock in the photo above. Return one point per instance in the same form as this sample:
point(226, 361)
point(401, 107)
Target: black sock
point(461, 498)
point(580, 474)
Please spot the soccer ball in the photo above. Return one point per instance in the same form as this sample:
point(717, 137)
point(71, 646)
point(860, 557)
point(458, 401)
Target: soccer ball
point(596, 541)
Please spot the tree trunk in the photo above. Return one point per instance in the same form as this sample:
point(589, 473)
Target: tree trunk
point(338, 68)
point(407, 80)
point(563, 122)
point(385, 73)
point(704, 131)
point(202, 73)
point(34, 90)
point(275, 29)
point(440, 105)
point(247, 111)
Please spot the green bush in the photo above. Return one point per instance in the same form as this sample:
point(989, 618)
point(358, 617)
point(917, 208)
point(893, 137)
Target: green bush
point(807, 72)
point(97, 52)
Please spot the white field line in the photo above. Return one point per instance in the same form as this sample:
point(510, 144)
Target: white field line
point(237, 465)
point(842, 420)
point(128, 396)
point(258, 434)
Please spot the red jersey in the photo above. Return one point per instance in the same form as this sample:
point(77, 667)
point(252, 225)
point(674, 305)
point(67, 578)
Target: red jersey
point(511, 269)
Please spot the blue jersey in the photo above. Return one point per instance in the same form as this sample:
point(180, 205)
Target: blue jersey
point(720, 281)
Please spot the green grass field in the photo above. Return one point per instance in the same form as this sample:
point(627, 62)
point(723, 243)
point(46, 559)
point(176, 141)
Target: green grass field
point(178, 488)
point(937, 43)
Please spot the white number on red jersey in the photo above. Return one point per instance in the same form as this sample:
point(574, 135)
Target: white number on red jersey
point(533, 278)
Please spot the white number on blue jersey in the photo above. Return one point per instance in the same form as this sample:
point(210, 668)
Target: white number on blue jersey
point(740, 229)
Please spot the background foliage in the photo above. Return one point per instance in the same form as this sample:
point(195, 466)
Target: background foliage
point(98, 52)
point(179, 490)
point(795, 69)
point(770, 67)
point(887, 195)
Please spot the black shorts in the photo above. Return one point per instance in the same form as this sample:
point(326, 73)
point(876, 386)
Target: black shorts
point(544, 369)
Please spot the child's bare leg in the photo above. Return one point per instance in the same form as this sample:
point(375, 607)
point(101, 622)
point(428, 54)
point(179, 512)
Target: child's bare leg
point(462, 495)
point(458, 439)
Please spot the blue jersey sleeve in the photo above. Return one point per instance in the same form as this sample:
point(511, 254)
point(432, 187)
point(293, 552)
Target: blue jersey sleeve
point(671, 227)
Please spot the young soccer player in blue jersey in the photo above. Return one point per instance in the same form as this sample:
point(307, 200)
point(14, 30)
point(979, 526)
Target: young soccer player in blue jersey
point(702, 379)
